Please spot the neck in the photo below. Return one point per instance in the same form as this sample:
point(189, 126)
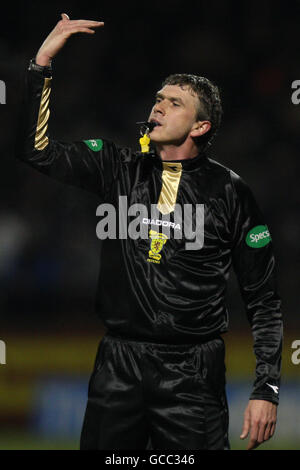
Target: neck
point(175, 152)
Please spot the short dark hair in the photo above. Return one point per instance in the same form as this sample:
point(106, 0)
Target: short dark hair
point(210, 105)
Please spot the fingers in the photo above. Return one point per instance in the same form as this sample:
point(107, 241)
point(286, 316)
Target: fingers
point(253, 444)
point(84, 30)
point(263, 429)
point(67, 27)
point(267, 433)
point(246, 428)
point(253, 441)
point(79, 26)
point(65, 17)
point(272, 429)
point(260, 432)
point(85, 23)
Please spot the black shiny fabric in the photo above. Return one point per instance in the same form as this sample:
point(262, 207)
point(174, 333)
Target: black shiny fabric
point(157, 396)
point(181, 299)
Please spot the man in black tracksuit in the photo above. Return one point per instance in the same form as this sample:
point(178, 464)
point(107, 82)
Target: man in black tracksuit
point(159, 375)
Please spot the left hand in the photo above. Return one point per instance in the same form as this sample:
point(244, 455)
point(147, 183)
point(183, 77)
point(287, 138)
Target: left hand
point(260, 419)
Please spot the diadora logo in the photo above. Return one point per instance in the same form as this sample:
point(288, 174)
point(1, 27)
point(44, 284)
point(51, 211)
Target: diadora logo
point(273, 387)
point(258, 236)
point(162, 223)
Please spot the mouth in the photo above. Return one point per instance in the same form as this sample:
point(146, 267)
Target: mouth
point(156, 123)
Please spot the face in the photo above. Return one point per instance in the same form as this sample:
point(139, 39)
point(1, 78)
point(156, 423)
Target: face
point(175, 109)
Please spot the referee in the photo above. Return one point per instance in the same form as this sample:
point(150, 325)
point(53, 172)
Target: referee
point(159, 375)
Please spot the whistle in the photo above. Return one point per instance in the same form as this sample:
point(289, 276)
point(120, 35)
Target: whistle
point(145, 129)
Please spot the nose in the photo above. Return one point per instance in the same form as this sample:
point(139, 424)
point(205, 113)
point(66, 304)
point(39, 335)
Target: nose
point(159, 107)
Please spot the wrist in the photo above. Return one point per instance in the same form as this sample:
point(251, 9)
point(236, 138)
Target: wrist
point(43, 61)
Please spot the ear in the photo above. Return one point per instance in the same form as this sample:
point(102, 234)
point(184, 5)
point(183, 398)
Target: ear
point(200, 128)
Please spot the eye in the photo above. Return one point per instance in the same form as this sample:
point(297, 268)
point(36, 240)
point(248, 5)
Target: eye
point(176, 104)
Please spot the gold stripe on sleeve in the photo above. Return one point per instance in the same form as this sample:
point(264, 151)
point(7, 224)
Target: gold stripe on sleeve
point(171, 177)
point(41, 140)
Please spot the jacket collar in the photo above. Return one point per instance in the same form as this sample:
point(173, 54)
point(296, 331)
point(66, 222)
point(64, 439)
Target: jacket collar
point(188, 164)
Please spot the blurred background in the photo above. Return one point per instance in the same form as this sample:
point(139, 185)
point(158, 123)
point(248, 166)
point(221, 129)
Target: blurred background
point(49, 253)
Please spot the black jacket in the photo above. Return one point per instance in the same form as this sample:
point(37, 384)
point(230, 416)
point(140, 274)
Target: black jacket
point(167, 291)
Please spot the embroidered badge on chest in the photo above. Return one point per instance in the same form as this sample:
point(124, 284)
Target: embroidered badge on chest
point(157, 242)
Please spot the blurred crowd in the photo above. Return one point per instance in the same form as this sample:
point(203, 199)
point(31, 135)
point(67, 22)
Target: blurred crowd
point(49, 252)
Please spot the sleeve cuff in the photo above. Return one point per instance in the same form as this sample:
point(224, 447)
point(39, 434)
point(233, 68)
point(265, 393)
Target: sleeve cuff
point(265, 396)
point(45, 71)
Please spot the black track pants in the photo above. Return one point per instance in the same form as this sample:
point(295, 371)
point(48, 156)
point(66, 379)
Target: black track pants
point(156, 396)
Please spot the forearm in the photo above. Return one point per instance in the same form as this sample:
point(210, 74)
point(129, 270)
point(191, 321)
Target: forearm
point(267, 332)
point(33, 125)
point(263, 307)
point(79, 163)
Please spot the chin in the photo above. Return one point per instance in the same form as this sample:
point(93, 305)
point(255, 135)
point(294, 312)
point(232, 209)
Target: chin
point(162, 141)
point(158, 141)
point(157, 138)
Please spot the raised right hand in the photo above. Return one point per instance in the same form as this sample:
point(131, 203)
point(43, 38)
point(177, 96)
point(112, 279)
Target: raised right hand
point(59, 35)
